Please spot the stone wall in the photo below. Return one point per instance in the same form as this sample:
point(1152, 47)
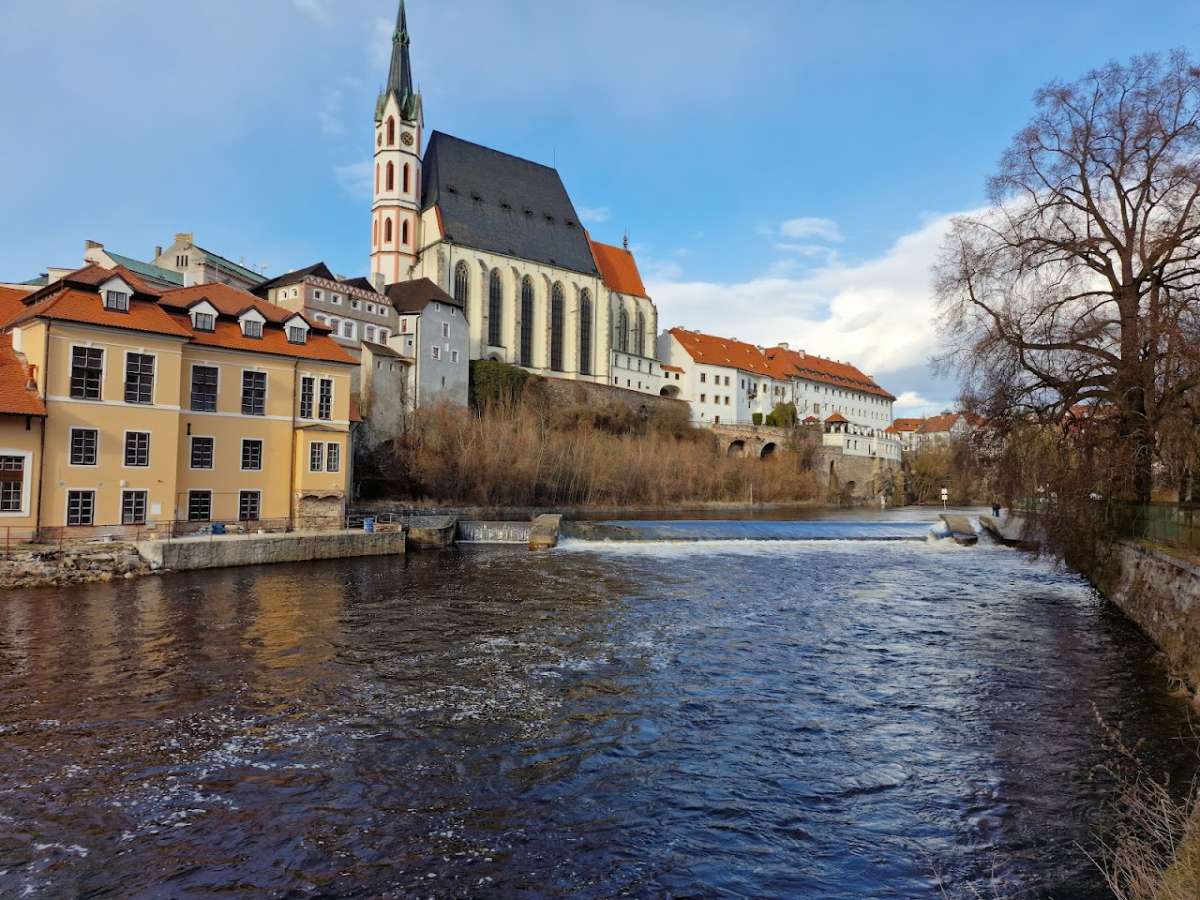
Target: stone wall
point(565, 392)
point(79, 564)
point(1161, 594)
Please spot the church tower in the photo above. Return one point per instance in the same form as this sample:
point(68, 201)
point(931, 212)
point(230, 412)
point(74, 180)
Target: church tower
point(399, 123)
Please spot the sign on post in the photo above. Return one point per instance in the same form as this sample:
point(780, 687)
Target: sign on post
point(945, 497)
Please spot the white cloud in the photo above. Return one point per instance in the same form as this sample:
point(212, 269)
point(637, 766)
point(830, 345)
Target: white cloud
point(808, 228)
point(914, 404)
point(314, 9)
point(356, 178)
point(877, 313)
point(595, 215)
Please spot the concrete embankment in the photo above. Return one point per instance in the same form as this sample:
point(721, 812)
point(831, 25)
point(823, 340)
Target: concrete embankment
point(184, 554)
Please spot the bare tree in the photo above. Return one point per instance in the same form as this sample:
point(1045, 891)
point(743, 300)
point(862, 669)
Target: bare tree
point(1079, 284)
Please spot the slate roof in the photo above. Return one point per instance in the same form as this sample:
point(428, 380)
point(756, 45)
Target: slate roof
point(318, 270)
point(413, 296)
point(166, 276)
point(499, 203)
point(381, 350)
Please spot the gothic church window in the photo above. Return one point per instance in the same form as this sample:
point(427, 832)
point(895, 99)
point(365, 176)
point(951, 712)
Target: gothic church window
point(585, 332)
point(556, 327)
point(527, 321)
point(404, 232)
point(462, 283)
point(639, 336)
point(495, 304)
point(391, 177)
point(623, 331)
point(387, 231)
point(404, 182)
point(391, 130)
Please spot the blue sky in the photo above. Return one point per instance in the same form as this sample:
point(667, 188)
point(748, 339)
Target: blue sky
point(785, 169)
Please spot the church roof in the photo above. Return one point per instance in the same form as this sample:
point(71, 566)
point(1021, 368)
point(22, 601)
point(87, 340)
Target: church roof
point(499, 203)
point(619, 269)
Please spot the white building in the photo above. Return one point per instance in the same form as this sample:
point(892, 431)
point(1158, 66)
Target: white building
point(354, 311)
point(726, 381)
point(434, 334)
point(502, 236)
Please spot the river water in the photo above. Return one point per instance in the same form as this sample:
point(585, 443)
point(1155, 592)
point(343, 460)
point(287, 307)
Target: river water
point(782, 717)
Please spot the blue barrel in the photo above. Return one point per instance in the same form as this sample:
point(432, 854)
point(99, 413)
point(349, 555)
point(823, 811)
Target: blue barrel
point(218, 528)
point(369, 525)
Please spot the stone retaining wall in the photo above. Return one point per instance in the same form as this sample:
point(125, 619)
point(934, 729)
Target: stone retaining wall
point(82, 564)
point(1161, 594)
point(565, 392)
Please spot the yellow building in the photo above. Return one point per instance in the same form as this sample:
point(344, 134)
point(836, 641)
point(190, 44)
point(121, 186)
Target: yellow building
point(175, 410)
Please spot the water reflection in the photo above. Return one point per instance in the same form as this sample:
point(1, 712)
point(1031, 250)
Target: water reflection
point(783, 719)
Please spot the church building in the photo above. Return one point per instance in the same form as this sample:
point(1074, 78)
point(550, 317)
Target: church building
point(501, 235)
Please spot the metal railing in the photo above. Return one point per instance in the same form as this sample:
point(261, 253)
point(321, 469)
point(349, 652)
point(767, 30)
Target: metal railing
point(19, 538)
point(1168, 524)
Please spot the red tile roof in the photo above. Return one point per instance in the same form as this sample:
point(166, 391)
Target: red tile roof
point(837, 419)
point(12, 301)
point(74, 299)
point(227, 300)
point(70, 304)
point(618, 269)
point(943, 423)
point(786, 363)
point(907, 425)
point(717, 351)
point(667, 368)
point(16, 396)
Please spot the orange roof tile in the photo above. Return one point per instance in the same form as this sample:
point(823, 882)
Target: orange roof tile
point(667, 368)
point(16, 397)
point(786, 363)
point(837, 419)
point(717, 351)
point(274, 341)
point(618, 269)
point(939, 424)
point(12, 301)
point(226, 299)
point(70, 304)
point(907, 425)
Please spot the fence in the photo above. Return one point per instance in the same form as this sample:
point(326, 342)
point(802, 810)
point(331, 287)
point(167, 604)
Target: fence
point(14, 538)
point(1168, 524)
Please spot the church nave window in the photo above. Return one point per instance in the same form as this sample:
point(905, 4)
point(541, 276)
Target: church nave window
point(527, 321)
point(495, 304)
point(556, 327)
point(585, 332)
point(462, 283)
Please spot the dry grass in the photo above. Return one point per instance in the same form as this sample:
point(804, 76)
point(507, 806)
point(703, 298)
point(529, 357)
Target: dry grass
point(1153, 852)
point(579, 456)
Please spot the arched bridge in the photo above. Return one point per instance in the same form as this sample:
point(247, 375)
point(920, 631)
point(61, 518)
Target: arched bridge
point(751, 441)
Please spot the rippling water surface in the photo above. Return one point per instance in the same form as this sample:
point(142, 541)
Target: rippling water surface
point(759, 718)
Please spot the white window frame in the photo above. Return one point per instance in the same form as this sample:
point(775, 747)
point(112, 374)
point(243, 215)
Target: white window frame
point(256, 492)
point(436, 351)
point(262, 453)
point(26, 481)
point(187, 505)
point(90, 345)
point(213, 467)
point(266, 391)
point(320, 445)
point(71, 444)
point(191, 381)
point(125, 444)
point(121, 507)
point(67, 505)
point(153, 383)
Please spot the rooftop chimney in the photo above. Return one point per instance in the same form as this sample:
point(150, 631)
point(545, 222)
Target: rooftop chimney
point(783, 345)
point(157, 251)
point(184, 237)
point(31, 377)
point(92, 245)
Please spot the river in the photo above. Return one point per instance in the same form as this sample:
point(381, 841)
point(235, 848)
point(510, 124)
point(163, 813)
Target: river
point(779, 718)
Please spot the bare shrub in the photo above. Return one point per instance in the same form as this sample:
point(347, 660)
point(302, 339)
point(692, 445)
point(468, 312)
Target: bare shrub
point(1153, 852)
point(520, 455)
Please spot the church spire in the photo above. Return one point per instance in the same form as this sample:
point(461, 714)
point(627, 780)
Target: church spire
point(400, 80)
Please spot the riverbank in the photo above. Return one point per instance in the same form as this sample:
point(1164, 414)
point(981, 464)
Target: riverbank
point(37, 566)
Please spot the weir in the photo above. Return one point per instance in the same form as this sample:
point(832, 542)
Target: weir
point(736, 530)
point(494, 532)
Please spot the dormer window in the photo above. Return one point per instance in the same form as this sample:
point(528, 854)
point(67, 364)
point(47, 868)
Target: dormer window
point(116, 300)
point(297, 330)
point(251, 322)
point(203, 321)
